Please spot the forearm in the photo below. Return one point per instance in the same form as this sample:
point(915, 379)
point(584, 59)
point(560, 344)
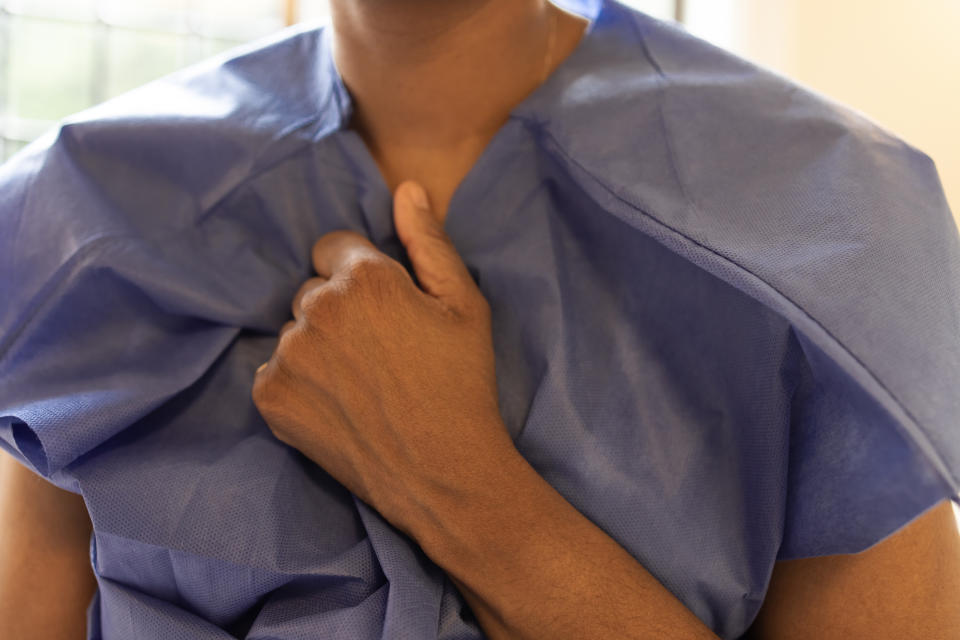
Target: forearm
point(531, 566)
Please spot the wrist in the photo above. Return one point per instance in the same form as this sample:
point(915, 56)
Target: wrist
point(493, 526)
point(456, 522)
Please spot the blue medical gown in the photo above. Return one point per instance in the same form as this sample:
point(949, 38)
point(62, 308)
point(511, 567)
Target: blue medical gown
point(725, 314)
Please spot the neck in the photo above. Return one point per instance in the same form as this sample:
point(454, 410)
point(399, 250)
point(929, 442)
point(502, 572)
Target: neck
point(433, 80)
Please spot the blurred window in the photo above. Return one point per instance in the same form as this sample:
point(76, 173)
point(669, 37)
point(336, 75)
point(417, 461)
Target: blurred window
point(58, 57)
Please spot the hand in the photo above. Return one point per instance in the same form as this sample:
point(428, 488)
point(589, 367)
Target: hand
point(392, 390)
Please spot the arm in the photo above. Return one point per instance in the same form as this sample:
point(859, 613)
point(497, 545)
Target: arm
point(46, 581)
point(531, 566)
point(906, 586)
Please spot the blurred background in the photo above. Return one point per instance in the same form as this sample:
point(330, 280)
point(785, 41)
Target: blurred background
point(896, 62)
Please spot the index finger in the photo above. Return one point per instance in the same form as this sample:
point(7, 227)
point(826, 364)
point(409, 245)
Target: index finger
point(334, 251)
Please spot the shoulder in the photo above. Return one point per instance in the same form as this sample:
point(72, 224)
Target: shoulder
point(134, 176)
point(823, 216)
point(191, 137)
point(731, 122)
point(711, 144)
point(256, 90)
point(846, 229)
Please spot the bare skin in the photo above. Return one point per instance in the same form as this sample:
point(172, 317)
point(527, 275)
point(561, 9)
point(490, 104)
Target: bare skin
point(433, 81)
point(46, 581)
point(905, 586)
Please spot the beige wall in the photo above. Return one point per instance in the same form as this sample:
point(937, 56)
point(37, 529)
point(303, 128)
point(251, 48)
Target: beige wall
point(898, 62)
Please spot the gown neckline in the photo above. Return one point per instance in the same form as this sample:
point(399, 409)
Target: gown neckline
point(535, 105)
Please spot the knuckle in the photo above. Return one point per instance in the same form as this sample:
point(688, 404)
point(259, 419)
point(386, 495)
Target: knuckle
point(376, 277)
point(311, 332)
point(310, 285)
point(287, 337)
point(319, 306)
point(313, 301)
point(286, 365)
point(367, 269)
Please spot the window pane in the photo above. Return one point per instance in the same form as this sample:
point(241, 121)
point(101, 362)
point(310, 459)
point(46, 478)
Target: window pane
point(232, 20)
point(159, 15)
point(51, 67)
point(69, 9)
point(135, 58)
point(663, 9)
point(10, 147)
point(314, 10)
point(211, 46)
point(233, 10)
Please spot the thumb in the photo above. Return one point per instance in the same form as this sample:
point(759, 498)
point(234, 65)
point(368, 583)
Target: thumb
point(437, 263)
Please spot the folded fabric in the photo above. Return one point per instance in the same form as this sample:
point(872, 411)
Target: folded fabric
point(726, 321)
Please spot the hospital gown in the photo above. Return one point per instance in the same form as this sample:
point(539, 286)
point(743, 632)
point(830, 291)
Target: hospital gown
point(726, 323)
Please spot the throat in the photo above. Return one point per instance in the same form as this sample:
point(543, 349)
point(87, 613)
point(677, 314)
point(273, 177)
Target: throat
point(440, 169)
point(431, 92)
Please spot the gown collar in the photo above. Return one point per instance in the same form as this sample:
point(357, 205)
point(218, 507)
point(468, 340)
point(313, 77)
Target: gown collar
point(599, 112)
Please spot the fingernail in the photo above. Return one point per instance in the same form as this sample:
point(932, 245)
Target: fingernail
point(418, 196)
point(261, 367)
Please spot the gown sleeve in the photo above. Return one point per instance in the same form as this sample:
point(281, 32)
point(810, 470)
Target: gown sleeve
point(92, 330)
point(842, 229)
point(855, 473)
point(875, 421)
point(118, 288)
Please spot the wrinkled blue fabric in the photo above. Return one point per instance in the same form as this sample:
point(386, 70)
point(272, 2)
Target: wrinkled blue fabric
point(726, 323)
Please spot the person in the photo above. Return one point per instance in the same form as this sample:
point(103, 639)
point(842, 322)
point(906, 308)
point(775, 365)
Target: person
point(486, 318)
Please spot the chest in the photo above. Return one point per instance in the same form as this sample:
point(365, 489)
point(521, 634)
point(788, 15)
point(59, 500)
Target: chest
point(645, 392)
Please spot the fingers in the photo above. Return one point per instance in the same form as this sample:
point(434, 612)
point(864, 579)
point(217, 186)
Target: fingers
point(305, 288)
point(287, 326)
point(438, 265)
point(335, 251)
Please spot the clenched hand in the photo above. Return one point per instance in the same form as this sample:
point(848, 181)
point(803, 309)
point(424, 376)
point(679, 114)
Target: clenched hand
point(390, 388)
